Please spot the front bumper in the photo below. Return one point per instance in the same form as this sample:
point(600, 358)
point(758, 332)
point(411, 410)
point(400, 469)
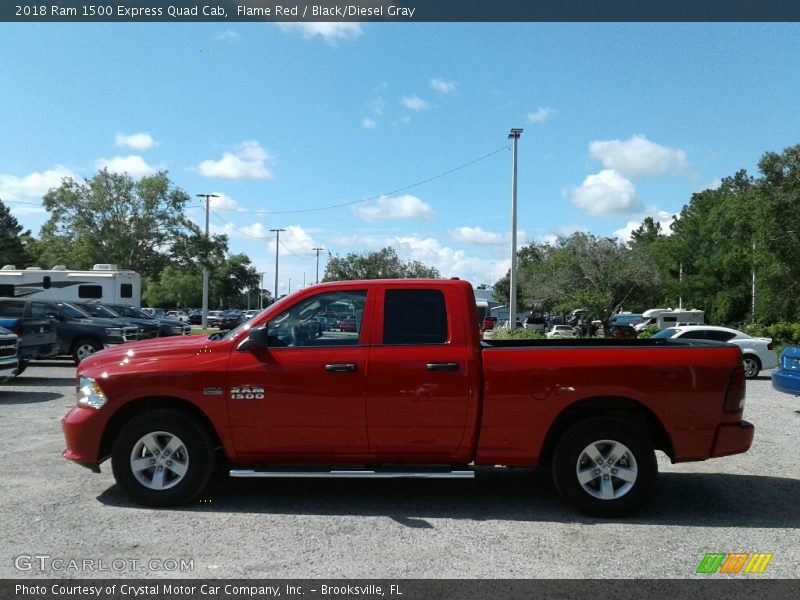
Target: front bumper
point(83, 429)
point(732, 438)
point(786, 381)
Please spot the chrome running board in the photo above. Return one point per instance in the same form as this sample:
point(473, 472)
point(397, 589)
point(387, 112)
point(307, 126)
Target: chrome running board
point(355, 474)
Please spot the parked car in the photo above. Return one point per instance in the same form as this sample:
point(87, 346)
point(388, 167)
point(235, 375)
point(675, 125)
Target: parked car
point(229, 319)
point(36, 332)
point(178, 315)
point(212, 318)
point(158, 313)
point(8, 354)
point(562, 331)
point(489, 323)
point(622, 331)
point(757, 353)
point(249, 314)
point(196, 317)
point(349, 324)
point(167, 327)
point(147, 329)
point(787, 378)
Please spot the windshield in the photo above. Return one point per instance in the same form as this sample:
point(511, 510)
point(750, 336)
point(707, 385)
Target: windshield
point(664, 333)
point(132, 311)
point(72, 311)
point(97, 310)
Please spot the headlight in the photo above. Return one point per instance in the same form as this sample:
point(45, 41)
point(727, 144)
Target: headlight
point(113, 332)
point(89, 393)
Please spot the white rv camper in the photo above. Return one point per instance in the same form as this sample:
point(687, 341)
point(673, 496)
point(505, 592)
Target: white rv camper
point(670, 317)
point(104, 283)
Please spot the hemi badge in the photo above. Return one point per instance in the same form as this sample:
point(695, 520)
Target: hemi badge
point(212, 391)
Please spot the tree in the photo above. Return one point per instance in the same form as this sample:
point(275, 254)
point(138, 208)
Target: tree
point(12, 246)
point(111, 218)
point(383, 264)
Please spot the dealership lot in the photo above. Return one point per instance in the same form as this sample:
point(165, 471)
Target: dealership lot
point(60, 520)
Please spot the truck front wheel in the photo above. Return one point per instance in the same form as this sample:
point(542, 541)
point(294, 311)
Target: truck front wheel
point(163, 458)
point(83, 348)
point(605, 467)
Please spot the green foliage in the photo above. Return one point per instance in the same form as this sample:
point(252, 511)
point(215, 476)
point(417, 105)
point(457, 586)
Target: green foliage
point(12, 240)
point(783, 334)
point(648, 332)
point(383, 264)
point(517, 334)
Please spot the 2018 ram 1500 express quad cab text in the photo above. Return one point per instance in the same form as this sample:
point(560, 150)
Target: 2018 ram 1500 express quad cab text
point(412, 391)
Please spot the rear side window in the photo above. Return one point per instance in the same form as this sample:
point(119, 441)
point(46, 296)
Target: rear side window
point(12, 308)
point(699, 334)
point(720, 336)
point(90, 291)
point(414, 317)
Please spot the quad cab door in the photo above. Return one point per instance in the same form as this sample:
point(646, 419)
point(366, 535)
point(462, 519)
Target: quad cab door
point(303, 398)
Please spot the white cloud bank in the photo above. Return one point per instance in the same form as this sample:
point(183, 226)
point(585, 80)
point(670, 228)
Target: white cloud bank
point(399, 207)
point(34, 185)
point(248, 162)
point(637, 156)
point(137, 141)
point(133, 165)
point(606, 193)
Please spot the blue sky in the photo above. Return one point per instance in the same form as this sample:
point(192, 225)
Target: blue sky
point(620, 121)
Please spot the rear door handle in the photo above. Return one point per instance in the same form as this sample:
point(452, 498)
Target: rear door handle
point(340, 367)
point(442, 366)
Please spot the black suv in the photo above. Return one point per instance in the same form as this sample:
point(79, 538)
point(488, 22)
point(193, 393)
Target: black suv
point(137, 315)
point(147, 329)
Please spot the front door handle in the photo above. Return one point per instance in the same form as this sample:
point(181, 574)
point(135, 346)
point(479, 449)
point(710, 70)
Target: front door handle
point(442, 366)
point(340, 367)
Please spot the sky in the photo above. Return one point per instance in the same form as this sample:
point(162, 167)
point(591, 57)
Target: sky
point(357, 136)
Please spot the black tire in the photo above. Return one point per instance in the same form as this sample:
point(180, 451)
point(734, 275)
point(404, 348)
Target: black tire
point(83, 348)
point(751, 365)
point(193, 453)
point(627, 492)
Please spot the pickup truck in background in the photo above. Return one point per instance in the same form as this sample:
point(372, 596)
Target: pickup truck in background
point(411, 392)
point(37, 334)
point(8, 355)
point(78, 334)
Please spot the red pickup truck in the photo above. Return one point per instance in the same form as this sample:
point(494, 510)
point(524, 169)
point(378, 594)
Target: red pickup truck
point(412, 392)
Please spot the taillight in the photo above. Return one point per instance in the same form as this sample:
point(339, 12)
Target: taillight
point(18, 329)
point(769, 346)
point(734, 396)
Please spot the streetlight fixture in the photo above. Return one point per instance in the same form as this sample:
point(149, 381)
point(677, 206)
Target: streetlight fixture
point(277, 244)
point(204, 322)
point(512, 301)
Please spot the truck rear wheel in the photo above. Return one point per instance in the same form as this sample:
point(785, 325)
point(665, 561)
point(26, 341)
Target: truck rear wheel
point(163, 458)
point(605, 467)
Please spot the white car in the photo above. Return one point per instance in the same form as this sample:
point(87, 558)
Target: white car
point(178, 315)
point(562, 331)
point(757, 353)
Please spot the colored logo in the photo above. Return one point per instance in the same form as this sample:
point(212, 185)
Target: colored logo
point(736, 562)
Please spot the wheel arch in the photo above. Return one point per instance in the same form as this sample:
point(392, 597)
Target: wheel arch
point(146, 404)
point(622, 408)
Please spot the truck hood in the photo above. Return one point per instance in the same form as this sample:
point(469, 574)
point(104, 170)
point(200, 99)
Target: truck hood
point(144, 350)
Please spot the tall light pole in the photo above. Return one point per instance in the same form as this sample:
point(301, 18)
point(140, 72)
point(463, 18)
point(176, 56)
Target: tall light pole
point(261, 294)
point(277, 244)
point(204, 322)
point(512, 301)
point(318, 250)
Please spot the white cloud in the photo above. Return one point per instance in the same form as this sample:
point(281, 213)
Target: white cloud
point(133, 165)
point(228, 36)
point(442, 87)
point(330, 32)
point(136, 141)
point(399, 207)
point(541, 115)
point(479, 236)
point(637, 157)
point(663, 217)
point(34, 185)
point(248, 162)
point(415, 103)
point(604, 193)
point(223, 202)
point(368, 123)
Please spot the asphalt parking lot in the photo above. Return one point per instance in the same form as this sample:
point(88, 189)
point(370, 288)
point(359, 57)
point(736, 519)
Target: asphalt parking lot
point(503, 524)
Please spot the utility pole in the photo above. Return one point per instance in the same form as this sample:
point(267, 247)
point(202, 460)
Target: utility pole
point(261, 294)
point(318, 250)
point(204, 322)
point(277, 244)
point(512, 301)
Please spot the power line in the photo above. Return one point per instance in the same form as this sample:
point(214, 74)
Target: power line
point(375, 197)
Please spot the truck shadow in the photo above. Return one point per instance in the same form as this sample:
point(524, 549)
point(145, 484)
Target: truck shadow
point(28, 379)
point(693, 499)
point(8, 398)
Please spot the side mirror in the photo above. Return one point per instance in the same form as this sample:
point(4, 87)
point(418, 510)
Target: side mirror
point(258, 337)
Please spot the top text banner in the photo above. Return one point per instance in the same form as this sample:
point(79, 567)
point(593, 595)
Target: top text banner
point(142, 11)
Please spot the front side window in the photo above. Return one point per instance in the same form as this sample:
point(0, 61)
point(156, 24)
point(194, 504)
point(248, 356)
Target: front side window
point(304, 324)
point(413, 317)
